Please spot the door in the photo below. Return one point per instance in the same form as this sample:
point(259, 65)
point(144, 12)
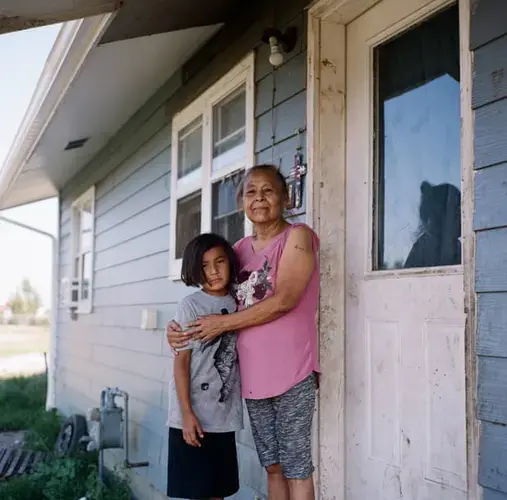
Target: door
point(405, 359)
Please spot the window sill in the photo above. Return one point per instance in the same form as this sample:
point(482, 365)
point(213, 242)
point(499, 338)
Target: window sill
point(413, 272)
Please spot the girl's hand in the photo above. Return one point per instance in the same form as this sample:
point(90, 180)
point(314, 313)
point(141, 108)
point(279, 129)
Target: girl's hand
point(208, 328)
point(192, 430)
point(175, 337)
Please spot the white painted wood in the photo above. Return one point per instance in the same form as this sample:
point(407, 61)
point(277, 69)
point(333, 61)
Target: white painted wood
point(405, 346)
point(88, 197)
point(325, 128)
point(467, 190)
point(326, 158)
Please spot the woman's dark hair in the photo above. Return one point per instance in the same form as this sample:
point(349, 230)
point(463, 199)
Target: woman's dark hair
point(192, 271)
point(267, 168)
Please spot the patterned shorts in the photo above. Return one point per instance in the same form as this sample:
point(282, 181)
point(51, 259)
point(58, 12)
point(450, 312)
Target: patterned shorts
point(282, 429)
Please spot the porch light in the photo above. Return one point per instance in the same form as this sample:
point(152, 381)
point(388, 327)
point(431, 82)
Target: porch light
point(279, 43)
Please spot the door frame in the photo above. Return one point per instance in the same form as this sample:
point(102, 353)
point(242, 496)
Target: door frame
point(326, 136)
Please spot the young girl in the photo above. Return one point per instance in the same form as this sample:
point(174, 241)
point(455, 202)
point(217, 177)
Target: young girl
point(205, 408)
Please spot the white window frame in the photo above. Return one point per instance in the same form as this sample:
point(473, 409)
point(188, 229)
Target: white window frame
point(84, 306)
point(202, 179)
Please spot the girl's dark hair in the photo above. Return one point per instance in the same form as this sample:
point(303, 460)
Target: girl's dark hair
point(265, 167)
point(192, 271)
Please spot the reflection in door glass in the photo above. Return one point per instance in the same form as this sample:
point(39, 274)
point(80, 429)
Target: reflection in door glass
point(418, 164)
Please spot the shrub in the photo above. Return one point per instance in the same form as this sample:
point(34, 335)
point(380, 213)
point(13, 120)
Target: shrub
point(66, 479)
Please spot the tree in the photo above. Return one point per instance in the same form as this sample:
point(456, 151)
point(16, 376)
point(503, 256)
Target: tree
point(26, 300)
point(16, 304)
point(31, 297)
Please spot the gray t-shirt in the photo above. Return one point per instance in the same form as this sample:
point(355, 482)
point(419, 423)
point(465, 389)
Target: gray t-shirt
point(215, 390)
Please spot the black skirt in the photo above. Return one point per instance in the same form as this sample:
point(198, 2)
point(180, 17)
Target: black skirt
point(210, 471)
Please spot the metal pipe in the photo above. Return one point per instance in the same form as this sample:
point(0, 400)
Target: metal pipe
point(101, 451)
point(127, 463)
point(126, 428)
point(51, 379)
point(109, 401)
point(101, 465)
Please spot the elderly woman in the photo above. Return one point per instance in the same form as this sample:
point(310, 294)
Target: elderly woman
point(277, 295)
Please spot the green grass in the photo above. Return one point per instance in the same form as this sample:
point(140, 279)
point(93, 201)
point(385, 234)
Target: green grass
point(22, 401)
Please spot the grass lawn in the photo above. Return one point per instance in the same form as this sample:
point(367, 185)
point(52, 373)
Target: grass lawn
point(15, 340)
point(22, 400)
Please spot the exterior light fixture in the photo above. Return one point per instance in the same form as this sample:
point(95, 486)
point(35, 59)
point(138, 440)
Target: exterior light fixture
point(279, 43)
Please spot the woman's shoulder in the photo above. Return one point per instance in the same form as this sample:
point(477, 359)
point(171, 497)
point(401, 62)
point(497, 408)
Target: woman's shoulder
point(304, 231)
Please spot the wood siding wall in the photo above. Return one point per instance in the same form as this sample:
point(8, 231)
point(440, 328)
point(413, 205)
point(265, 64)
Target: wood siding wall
point(489, 100)
point(132, 178)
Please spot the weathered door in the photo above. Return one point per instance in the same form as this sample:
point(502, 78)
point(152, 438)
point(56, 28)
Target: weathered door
point(405, 375)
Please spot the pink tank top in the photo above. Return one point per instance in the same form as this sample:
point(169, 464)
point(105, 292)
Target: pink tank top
point(276, 356)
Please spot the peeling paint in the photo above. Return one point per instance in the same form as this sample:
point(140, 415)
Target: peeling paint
point(328, 64)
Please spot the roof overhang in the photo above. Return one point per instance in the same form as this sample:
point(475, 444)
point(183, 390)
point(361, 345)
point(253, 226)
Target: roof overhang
point(136, 18)
point(18, 15)
point(79, 96)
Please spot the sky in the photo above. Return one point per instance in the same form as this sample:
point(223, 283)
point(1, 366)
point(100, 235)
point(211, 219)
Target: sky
point(22, 252)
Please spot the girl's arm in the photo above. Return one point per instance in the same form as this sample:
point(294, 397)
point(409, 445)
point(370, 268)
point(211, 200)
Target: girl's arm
point(294, 272)
point(192, 430)
point(182, 380)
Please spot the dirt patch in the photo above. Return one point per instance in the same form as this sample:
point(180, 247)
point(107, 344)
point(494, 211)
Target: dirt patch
point(24, 364)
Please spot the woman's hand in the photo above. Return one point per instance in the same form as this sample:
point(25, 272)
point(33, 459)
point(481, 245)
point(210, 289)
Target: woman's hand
point(175, 337)
point(208, 328)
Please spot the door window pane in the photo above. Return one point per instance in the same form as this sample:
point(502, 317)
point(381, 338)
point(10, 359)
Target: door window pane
point(188, 221)
point(190, 148)
point(418, 166)
point(227, 220)
point(229, 122)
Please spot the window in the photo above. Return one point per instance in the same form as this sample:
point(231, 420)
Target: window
point(188, 220)
point(83, 218)
point(417, 209)
point(190, 148)
point(229, 118)
point(212, 146)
